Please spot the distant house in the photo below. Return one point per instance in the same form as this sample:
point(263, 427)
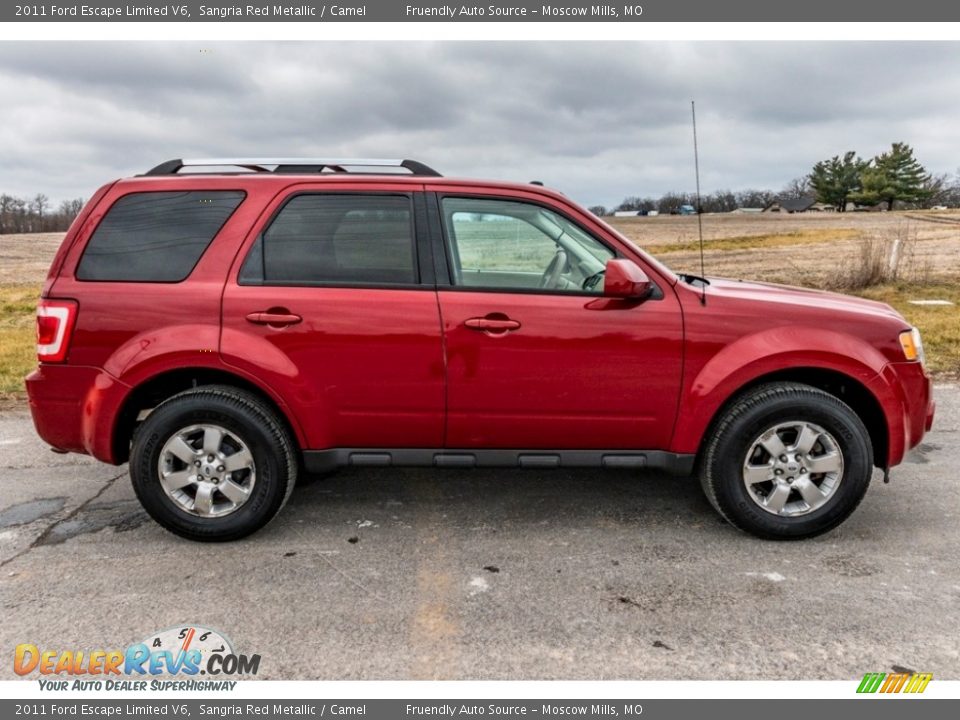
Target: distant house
point(626, 213)
point(797, 205)
point(746, 210)
point(853, 207)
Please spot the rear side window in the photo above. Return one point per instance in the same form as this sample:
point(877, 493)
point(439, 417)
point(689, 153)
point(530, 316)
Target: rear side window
point(156, 236)
point(326, 239)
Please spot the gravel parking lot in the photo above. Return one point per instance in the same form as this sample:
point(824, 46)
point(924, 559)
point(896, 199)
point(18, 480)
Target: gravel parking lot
point(412, 574)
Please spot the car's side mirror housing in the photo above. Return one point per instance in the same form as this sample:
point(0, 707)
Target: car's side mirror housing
point(624, 279)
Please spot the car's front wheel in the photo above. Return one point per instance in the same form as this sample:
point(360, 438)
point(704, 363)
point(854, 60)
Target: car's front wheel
point(787, 461)
point(212, 464)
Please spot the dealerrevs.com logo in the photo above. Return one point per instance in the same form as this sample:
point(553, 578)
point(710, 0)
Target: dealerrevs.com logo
point(185, 651)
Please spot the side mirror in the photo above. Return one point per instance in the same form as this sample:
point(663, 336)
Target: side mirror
point(624, 279)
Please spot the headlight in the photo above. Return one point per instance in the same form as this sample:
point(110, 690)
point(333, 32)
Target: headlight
point(912, 345)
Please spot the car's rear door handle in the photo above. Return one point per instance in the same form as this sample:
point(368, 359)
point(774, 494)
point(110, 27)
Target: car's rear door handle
point(489, 324)
point(273, 318)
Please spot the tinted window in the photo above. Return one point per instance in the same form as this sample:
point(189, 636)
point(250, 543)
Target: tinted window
point(155, 236)
point(502, 244)
point(318, 239)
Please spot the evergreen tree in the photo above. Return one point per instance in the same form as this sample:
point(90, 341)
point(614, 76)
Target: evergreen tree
point(875, 187)
point(898, 175)
point(836, 180)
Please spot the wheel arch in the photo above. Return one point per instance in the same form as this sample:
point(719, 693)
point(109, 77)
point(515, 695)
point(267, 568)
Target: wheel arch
point(844, 387)
point(153, 390)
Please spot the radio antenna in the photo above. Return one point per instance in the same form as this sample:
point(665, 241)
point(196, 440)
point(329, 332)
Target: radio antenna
point(696, 166)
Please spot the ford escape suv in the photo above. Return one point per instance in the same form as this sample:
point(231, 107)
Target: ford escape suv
point(225, 324)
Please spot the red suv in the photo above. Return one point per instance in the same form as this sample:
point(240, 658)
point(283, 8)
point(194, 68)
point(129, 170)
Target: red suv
point(225, 324)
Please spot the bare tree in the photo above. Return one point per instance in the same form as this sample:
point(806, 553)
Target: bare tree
point(71, 208)
point(22, 216)
point(40, 204)
point(6, 214)
point(796, 189)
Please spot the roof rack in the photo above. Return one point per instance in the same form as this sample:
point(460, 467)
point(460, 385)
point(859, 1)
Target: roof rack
point(295, 165)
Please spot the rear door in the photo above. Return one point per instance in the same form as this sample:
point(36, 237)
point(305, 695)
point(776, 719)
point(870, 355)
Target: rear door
point(536, 357)
point(334, 307)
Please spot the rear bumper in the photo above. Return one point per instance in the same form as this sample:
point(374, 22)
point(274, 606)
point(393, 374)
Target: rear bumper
point(914, 417)
point(72, 408)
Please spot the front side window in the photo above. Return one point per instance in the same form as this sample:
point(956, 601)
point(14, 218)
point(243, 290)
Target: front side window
point(155, 236)
point(319, 239)
point(510, 245)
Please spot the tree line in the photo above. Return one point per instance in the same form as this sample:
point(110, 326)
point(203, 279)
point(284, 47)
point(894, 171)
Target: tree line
point(36, 214)
point(719, 201)
point(891, 179)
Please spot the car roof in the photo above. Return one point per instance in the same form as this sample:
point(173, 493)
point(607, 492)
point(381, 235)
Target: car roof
point(241, 179)
point(285, 171)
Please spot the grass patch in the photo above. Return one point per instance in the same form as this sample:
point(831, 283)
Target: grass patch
point(939, 324)
point(18, 354)
point(884, 258)
point(753, 242)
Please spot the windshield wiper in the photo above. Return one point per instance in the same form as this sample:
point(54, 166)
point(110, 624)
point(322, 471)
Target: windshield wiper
point(693, 279)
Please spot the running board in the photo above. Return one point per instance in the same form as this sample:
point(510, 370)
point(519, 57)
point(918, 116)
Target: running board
point(320, 461)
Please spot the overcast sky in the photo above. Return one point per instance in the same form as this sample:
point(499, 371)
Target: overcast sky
point(598, 121)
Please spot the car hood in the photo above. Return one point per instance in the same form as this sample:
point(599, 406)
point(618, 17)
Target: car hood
point(806, 297)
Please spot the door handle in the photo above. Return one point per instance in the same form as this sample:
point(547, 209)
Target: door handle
point(276, 319)
point(495, 325)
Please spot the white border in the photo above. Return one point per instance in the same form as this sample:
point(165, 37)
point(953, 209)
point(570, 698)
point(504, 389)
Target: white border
point(457, 31)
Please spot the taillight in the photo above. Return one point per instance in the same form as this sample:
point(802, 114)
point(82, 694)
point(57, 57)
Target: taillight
point(55, 320)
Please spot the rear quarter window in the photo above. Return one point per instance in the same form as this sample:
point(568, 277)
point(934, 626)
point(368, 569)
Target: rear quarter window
point(156, 236)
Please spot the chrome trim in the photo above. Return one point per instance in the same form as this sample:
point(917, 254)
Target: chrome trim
point(260, 162)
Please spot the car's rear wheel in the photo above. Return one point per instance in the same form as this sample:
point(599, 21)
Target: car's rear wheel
point(213, 463)
point(787, 461)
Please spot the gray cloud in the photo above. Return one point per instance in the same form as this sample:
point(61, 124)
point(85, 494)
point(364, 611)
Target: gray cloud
point(596, 120)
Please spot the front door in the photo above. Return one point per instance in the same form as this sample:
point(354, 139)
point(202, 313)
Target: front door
point(536, 357)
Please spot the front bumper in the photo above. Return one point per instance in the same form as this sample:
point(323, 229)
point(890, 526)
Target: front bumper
point(916, 410)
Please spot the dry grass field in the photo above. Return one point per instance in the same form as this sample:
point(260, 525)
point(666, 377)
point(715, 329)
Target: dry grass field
point(827, 250)
point(803, 249)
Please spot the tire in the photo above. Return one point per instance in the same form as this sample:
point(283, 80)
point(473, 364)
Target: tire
point(790, 495)
point(243, 487)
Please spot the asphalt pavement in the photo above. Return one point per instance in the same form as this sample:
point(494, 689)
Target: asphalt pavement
point(489, 574)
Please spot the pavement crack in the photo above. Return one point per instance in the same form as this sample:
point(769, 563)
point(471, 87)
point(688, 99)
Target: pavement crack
point(337, 570)
point(350, 579)
point(39, 539)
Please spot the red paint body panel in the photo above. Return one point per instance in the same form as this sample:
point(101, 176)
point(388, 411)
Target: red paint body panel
point(400, 367)
point(363, 369)
point(64, 402)
point(730, 343)
point(579, 372)
point(910, 386)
